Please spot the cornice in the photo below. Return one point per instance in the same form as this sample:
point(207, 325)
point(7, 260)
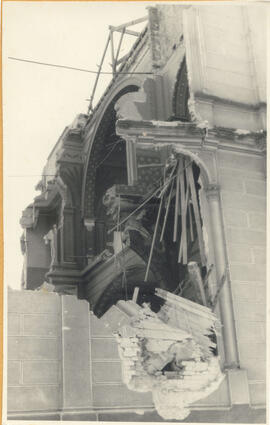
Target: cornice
point(189, 135)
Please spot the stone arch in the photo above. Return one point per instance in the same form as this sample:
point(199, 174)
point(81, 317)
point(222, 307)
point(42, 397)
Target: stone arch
point(96, 151)
point(181, 94)
point(207, 178)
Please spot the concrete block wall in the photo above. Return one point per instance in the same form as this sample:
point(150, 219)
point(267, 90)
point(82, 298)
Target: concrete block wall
point(34, 362)
point(61, 357)
point(243, 197)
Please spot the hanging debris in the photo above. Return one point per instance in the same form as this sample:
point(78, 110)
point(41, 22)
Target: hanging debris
point(171, 353)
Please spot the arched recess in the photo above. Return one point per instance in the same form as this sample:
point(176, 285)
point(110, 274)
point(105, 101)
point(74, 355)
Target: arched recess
point(106, 165)
point(181, 94)
point(166, 271)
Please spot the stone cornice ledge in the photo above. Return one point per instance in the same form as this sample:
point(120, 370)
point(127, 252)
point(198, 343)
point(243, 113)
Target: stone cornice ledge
point(189, 135)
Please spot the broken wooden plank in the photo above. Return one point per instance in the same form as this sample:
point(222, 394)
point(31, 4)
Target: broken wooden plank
point(183, 244)
point(195, 276)
point(176, 210)
point(135, 294)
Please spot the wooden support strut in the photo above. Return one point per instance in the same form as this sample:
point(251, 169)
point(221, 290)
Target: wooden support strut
point(196, 213)
point(176, 210)
point(195, 276)
point(184, 202)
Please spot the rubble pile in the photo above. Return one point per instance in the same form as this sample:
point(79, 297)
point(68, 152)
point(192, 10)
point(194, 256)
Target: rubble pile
point(169, 353)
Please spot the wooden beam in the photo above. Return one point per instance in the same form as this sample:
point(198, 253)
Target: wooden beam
point(122, 59)
point(119, 46)
point(195, 276)
point(196, 212)
point(184, 202)
point(128, 24)
point(176, 210)
point(129, 32)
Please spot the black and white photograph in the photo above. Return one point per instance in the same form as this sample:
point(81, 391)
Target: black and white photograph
point(134, 169)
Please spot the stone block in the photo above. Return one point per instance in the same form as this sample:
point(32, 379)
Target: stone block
point(249, 331)
point(241, 161)
point(246, 237)
point(14, 372)
point(104, 348)
point(33, 398)
point(255, 187)
point(235, 218)
point(261, 294)
point(33, 302)
point(13, 324)
point(78, 416)
point(220, 397)
point(257, 220)
point(259, 255)
point(231, 182)
point(98, 327)
point(245, 202)
point(257, 393)
point(35, 372)
point(244, 292)
point(250, 311)
point(238, 385)
point(107, 372)
point(40, 324)
point(239, 254)
point(255, 370)
point(27, 348)
point(131, 416)
point(252, 350)
point(248, 272)
point(118, 396)
point(76, 353)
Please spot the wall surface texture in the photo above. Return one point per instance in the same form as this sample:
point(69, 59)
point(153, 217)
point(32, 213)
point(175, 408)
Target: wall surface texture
point(243, 196)
point(63, 363)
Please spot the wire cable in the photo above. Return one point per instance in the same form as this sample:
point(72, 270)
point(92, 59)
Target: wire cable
point(77, 69)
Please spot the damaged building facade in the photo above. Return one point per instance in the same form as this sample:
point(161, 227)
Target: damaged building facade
point(151, 214)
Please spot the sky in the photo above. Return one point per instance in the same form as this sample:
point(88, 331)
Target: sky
point(40, 101)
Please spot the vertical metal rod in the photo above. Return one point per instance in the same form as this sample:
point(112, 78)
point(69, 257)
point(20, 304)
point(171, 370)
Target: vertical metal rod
point(98, 74)
point(153, 241)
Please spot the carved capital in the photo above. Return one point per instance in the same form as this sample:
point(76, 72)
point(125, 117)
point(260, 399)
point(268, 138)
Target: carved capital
point(212, 191)
point(89, 224)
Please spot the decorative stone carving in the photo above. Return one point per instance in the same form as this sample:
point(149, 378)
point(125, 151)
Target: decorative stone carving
point(51, 239)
